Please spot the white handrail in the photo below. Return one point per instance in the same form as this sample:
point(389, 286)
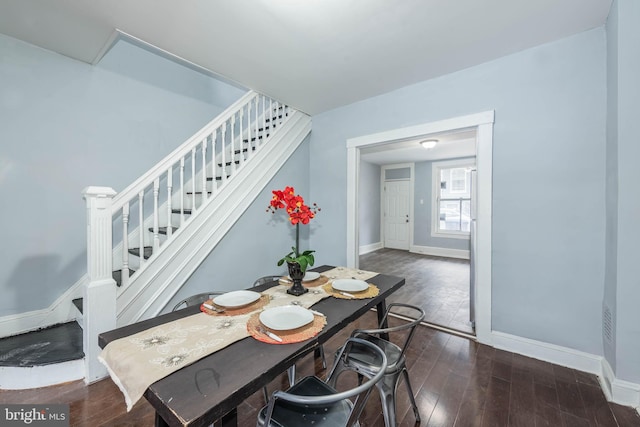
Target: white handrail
point(148, 177)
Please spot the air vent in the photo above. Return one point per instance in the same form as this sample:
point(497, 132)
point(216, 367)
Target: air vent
point(607, 324)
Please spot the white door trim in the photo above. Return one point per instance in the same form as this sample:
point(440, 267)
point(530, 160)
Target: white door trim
point(483, 122)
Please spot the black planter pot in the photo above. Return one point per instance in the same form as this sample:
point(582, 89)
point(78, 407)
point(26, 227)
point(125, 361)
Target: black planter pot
point(296, 274)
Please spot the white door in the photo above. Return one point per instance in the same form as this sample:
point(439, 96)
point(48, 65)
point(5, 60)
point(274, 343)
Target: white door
point(396, 214)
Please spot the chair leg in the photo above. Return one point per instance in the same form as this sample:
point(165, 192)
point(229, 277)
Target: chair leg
point(411, 396)
point(265, 393)
point(319, 352)
point(291, 373)
point(387, 398)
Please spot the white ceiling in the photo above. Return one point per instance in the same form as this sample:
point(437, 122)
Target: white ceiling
point(450, 145)
point(313, 54)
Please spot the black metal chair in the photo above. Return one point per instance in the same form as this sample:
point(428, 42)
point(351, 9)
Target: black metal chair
point(360, 360)
point(196, 299)
point(312, 401)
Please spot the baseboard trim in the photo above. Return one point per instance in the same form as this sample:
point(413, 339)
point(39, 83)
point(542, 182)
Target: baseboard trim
point(616, 390)
point(62, 310)
point(443, 252)
point(21, 378)
point(365, 249)
point(619, 391)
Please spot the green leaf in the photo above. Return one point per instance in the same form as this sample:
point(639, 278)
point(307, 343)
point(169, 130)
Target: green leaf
point(303, 263)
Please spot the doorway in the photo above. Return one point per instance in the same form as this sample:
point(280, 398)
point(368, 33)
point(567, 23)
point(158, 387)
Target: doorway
point(482, 124)
point(397, 205)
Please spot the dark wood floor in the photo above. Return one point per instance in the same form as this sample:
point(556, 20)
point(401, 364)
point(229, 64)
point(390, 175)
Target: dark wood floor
point(439, 285)
point(457, 381)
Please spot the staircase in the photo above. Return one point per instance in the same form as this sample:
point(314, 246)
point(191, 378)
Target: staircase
point(145, 242)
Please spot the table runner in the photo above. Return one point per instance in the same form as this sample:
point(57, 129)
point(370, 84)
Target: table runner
point(348, 273)
point(137, 361)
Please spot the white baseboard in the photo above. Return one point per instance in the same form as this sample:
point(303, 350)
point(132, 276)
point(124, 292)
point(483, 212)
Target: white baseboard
point(616, 390)
point(365, 249)
point(61, 311)
point(556, 354)
point(443, 252)
point(619, 391)
point(20, 378)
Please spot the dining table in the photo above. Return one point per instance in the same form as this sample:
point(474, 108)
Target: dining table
point(210, 389)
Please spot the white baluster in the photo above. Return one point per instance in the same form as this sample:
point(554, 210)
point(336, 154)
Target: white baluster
point(234, 156)
point(156, 219)
point(273, 121)
point(257, 123)
point(275, 118)
point(241, 137)
point(204, 170)
point(276, 105)
point(169, 206)
point(141, 230)
point(125, 246)
point(193, 180)
point(182, 192)
point(249, 125)
point(223, 168)
point(264, 120)
point(280, 112)
point(214, 162)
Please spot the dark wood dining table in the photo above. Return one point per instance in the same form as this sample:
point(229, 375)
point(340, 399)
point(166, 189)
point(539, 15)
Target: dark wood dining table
point(210, 389)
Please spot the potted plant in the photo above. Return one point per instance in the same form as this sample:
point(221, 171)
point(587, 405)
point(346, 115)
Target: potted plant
point(299, 213)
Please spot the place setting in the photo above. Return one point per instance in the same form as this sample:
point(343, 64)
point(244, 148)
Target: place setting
point(351, 289)
point(234, 303)
point(285, 324)
point(311, 279)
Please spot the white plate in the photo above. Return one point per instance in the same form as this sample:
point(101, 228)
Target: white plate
point(308, 276)
point(350, 285)
point(236, 298)
point(286, 317)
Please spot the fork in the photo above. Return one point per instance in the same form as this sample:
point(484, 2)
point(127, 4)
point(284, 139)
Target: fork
point(213, 308)
point(271, 335)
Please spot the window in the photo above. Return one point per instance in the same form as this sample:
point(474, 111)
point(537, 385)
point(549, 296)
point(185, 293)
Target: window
point(452, 198)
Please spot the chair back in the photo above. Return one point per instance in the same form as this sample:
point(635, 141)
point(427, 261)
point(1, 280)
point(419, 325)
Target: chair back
point(411, 325)
point(360, 392)
point(196, 299)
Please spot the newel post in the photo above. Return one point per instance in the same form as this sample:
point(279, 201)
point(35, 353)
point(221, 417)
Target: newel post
point(99, 295)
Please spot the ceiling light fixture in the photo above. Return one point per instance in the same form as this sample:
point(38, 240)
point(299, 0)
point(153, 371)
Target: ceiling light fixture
point(429, 143)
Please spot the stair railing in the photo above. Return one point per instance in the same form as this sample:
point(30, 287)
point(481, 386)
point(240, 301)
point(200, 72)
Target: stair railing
point(181, 184)
point(175, 189)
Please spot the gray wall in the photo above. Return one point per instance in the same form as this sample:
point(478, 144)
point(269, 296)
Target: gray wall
point(611, 190)
point(65, 125)
point(548, 179)
point(423, 189)
point(369, 204)
point(622, 225)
